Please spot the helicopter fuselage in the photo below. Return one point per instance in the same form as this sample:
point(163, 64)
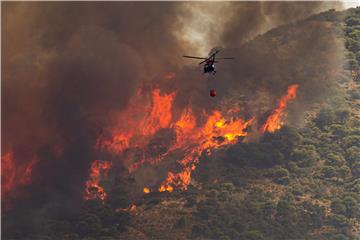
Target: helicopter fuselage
point(209, 67)
point(209, 62)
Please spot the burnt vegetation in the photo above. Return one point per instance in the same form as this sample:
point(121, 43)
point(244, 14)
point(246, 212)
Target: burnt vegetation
point(296, 183)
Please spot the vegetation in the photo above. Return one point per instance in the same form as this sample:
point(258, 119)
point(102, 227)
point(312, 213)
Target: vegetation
point(292, 184)
point(296, 183)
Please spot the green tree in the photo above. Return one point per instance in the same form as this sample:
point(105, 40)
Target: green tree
point(344, 171)
point(325, 117)
point(338, 221)
point(305, 156)
point(337, 206)
point(355, 169)
point(350, 141)
point(286, 210)
point(340, 237)
point(352, 207)
point(353, 154)
point(328, 172)
point(352, 21)
point(254, 235)
point(339, 130)
point(352, 44)
point(355, 93)
point(342, 115)
point(335, 159)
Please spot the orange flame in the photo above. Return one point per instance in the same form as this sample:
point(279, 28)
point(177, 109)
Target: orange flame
point(160, 116)
point(193, 136)
point(98, 169)
point(275, 120)
point(146, 190)
point(131, 208)
point(13, 175)
point(203, 139)
point(142, 121)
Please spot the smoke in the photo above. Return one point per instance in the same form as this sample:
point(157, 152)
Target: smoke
point(203, 25)
point(70, 68)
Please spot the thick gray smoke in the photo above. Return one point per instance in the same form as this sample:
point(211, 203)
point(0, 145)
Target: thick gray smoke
point(68, 66)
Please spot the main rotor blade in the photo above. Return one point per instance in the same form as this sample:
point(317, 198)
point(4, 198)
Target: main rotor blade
point(216, 52)
point(194, 57)
point(203, 61)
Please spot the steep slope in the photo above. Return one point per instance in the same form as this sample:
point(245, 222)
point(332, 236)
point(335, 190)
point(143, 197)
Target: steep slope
point(297, 183)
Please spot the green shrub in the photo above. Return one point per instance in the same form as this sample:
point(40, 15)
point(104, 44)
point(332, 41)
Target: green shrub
point(337, 206)
point(325, 117)
point(354, 93)
point(335, 159)
point(328, 172)
point(353, 154)
point(338, 221)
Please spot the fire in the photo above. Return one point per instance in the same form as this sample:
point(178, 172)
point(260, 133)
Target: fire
point(146, 190)
point(184, 128)
point(275, 120)
point(118, 143)
point(8, 172)
point(204, 139)
point(194, 136)
point(187, 121)
point(98, 170)
point(160, 116)
point(14, 174)
point(131, 208)
point(167, 188)
point(28, 169)
point(142, 120)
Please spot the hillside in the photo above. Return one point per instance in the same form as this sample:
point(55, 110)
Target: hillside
point(300, 182)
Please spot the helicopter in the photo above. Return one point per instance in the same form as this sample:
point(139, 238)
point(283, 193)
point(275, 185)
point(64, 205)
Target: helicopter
point(209, 66)
point(209, 62)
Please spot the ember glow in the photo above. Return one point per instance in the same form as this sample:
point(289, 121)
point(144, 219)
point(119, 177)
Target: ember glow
point(98, 170)
point(169, 75)
point(194, 136)
point(275, 120)
point(131, 208)
point(146, 190)
point(14, 175)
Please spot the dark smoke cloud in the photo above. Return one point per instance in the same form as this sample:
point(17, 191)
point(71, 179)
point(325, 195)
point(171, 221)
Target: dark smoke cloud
point(67, 67)
point(258, 17)
point(310, 54)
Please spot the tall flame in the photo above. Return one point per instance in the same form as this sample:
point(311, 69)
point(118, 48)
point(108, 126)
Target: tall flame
point(275, 120)
point(14, 176)
point(160, 115)
point(139, 122)
point(98, 170)
point(193, 136)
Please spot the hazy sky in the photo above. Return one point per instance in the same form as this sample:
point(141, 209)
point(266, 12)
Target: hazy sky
point(351, 3)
